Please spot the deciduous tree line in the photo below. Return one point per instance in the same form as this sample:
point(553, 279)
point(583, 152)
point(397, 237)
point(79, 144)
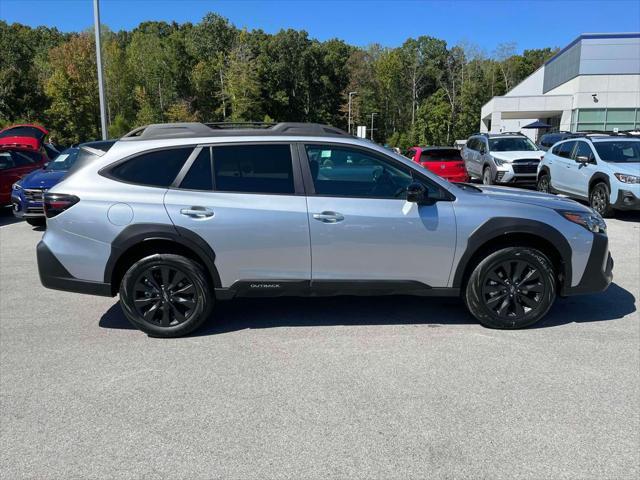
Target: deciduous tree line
point(421, 92)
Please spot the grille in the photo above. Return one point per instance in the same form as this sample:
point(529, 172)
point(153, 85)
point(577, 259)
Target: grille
point(526, 166)
point(34, 194)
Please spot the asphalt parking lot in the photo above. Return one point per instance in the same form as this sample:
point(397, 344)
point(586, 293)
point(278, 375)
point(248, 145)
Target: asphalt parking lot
point(391, 387)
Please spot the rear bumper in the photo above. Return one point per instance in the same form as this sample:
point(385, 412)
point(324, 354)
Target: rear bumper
point(53, 275)
point(598, 273)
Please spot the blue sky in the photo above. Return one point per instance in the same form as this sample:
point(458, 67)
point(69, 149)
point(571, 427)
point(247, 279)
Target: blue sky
point(531, 24)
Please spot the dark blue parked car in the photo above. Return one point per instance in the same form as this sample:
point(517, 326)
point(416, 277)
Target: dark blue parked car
point(27, 193)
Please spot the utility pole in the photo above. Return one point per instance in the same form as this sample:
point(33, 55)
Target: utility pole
point(350, 95)
point(103, 101)
point(372, 115)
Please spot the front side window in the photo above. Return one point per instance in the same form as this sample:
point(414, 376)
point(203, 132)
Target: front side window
point(253, 169)
point(158, 168)
point(511, 144)
point(583, 150)
point(618, 151)
point(346, 172)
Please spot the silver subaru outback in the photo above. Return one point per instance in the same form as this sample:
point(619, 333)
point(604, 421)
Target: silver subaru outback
point(176, 217)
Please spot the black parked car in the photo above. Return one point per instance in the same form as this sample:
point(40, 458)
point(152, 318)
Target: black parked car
point(549, 139)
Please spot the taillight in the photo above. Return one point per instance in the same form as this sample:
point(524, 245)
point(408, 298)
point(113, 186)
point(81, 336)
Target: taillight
point(56, 203)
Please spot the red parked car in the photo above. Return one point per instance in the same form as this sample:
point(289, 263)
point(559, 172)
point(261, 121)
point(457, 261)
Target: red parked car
point(21, 151)
point(443, 161)
point(15, 163)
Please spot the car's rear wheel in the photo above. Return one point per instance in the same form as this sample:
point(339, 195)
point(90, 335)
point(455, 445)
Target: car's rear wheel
point(544, 183)
point(36, 221)
point(512, 288)
point(599, 200)
point(487, 179)
point(166, 295)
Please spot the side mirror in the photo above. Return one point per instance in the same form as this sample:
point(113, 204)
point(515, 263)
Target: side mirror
point(46, 164)
point(582, 159)
point(483, 150)
point(417, 193)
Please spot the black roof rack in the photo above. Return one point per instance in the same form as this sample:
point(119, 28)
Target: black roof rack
point(595, 133)
point(489, 134)
point(159, 131)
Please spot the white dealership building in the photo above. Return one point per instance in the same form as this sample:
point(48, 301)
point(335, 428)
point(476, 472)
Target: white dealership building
point(591, 84)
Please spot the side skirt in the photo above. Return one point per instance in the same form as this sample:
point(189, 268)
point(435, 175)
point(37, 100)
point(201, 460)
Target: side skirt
point(331, 288)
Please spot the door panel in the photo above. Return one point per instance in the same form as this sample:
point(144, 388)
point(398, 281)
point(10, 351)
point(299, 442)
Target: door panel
point(560, 173)
point(362, 227)
point(254, 237)
point(382, 239)
point(579, 174)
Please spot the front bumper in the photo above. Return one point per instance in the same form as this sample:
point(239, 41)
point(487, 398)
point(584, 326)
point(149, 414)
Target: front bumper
point(626, 201)
point(27, 207)
point(598, 273)
point(53, 275)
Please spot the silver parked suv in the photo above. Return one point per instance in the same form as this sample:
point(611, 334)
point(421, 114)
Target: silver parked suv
point(176, 217)
point(509, 158)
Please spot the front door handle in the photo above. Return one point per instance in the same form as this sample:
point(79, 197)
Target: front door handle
point(197, 212)
point(328, 217)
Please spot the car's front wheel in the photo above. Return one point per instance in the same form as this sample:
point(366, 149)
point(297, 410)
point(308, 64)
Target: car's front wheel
point(166, 295)
point(487, 179)
point(511, 288)
point(544, 183)
point(599, 200)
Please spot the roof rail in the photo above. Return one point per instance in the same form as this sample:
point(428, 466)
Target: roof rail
point(595, 133)
point(159, 131)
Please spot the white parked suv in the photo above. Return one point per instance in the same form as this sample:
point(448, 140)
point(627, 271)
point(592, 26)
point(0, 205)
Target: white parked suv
point(602, 169)
point(506, 158)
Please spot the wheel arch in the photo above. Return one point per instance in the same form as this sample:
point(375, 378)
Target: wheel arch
point(504, 232)
point(139, 240)
point(599, 177)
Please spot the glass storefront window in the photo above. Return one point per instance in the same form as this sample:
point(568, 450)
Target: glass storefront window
point(603, 119)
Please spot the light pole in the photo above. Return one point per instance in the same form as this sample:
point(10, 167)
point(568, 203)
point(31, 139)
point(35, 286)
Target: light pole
point(103, 102)
point(350, 95)
point(372, 115)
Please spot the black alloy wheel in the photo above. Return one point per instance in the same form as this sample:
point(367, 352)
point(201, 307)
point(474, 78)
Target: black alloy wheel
point(166, 295)
point(511, 288)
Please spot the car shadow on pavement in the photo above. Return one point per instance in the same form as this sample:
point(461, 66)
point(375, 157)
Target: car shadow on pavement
point(7, 217)
point(248, 313)
point(628, 216)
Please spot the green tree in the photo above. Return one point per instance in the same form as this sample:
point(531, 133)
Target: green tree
point(73, 91)
point(242, 82)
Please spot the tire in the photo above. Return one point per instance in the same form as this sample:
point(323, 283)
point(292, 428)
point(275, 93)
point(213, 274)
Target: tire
point(149, 295)
point(492, 296)
point(599, 199)
point(486, 176)
point(544, 183)
point(37, 221)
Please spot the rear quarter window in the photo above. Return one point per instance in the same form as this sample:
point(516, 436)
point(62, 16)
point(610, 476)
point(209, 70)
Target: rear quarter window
point(158, 168)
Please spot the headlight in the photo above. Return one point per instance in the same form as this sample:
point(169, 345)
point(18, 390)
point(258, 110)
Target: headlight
point(16, 186)
point(592, 221)
point(624, 178)
point(498, 161)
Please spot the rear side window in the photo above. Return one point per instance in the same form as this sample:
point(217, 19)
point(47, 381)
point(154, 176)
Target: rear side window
point(564, 149)
point(253, 169)
point(157, 169)
point(199, 176)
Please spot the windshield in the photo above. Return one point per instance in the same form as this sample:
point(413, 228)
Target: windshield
point(64, 160)
point(511, 144)
point(619, 151)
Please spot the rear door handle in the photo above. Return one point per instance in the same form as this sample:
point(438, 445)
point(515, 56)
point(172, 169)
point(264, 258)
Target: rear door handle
point(197, 212)
point(328, 217)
